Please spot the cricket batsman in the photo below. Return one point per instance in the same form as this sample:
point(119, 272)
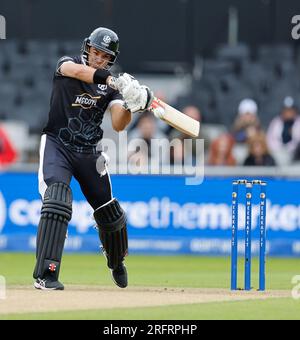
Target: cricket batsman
point(83, 89)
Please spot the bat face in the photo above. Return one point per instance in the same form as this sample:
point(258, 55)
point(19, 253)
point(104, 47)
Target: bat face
point(175, 118)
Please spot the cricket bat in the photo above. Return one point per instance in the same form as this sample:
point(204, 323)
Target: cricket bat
point(167, 113)
point(175, 118)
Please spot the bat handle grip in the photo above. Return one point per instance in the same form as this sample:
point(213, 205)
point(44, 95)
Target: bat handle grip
point(157, 108)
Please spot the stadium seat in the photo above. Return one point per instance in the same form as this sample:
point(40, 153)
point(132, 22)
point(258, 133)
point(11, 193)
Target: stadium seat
point(239, 52)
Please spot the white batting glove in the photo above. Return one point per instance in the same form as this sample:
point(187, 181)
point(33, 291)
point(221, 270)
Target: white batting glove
point(123, 81)
point(139, 100)
point(137, 97)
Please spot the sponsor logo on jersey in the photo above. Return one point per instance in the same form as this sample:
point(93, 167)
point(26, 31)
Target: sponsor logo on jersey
point(103, 89)
point(86, 101)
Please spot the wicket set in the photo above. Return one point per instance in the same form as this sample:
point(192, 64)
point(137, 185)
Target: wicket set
point(248, 233)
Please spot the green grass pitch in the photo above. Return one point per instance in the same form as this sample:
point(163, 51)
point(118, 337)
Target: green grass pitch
point(164, 272)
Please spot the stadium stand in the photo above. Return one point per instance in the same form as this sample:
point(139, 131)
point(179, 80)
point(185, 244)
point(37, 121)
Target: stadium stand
point(267, 74)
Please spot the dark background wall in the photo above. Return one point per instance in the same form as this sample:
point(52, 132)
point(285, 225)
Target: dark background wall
point(152, 30)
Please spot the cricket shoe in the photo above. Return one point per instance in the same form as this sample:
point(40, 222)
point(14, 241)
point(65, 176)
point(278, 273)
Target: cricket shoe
point(48, 284)
point(119, 276)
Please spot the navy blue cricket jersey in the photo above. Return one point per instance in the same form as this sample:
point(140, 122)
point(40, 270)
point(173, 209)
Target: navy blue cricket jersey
point(77, 109)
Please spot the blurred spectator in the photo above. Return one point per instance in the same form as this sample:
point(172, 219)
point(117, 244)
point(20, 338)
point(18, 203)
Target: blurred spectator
point(191, 111)
point(146, 130)
point(258, 152)
point(221, 151)
point(8, 154)
point(283, 134)
point(247, 122)
point(190, 150)
point(161, 126)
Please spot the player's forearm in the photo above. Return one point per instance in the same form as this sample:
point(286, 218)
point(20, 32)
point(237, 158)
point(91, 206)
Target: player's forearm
point(123, 121)
point(120, 118)
point(84, 73)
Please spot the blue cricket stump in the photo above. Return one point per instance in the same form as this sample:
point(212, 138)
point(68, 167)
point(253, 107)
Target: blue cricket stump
point(234, 239)
point(248, 233)
point(248, 223)
point(262, 237)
